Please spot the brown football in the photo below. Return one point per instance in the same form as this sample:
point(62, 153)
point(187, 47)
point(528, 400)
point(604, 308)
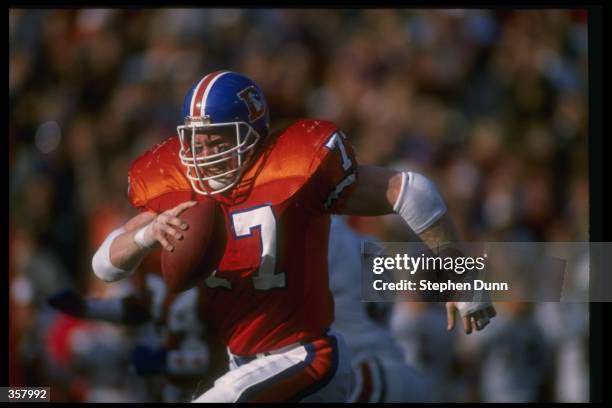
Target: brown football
point(197, 255)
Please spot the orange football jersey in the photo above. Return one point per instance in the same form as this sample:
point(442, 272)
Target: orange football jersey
point(271, 288)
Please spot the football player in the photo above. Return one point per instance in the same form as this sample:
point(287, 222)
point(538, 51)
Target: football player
point(172, 340)
point(514, 357)
point(269, 297)
point(419, 331)
point(380, 374)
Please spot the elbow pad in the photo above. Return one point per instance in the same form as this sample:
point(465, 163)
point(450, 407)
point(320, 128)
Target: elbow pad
point(419, 203)
point(101, 263)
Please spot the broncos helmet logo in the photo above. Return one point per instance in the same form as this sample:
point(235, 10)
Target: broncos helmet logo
point(250, 96)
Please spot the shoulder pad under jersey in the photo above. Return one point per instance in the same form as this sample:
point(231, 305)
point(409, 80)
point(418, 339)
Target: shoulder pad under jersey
point(293, 156)
point(155, 175)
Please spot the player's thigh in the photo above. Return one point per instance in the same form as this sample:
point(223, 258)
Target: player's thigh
point(232, 386)
point(316, 371)
point(218, 393)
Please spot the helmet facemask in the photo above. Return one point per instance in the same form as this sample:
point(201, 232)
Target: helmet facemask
point(218, 172)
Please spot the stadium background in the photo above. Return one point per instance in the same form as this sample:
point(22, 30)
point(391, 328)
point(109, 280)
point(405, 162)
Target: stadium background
point(491, 104)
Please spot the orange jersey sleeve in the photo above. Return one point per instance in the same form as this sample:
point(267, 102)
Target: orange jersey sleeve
point(157, 181)
point(333, 174)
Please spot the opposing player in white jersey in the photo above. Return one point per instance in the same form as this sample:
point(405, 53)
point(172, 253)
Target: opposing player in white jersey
point(171, 347)
point(419, 328)
point(514, 355)
point(380, 374)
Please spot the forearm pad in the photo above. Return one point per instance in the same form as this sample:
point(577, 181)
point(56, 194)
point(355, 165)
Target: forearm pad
point(419, 203)
point(101, 263)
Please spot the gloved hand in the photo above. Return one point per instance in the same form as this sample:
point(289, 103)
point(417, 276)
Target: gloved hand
point(146, 360)
point(475, 315)
point(68, 302)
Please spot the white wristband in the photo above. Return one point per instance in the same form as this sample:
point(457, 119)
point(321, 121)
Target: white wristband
point(480, 301)
point(419, 202)
point(467, 308)
point(101, 263)
point(141, 239)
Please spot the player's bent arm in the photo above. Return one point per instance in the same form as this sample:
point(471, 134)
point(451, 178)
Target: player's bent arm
point(125, 253)
point(475, 315)
point(375, 193)
point(382, 191)
point(119, 254)
point(416, 199)
point(124, 248)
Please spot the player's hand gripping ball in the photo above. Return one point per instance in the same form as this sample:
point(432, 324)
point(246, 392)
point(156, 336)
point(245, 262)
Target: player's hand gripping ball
point(199, 252)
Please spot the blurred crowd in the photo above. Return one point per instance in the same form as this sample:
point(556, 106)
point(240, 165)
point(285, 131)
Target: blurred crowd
point(490, 104)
